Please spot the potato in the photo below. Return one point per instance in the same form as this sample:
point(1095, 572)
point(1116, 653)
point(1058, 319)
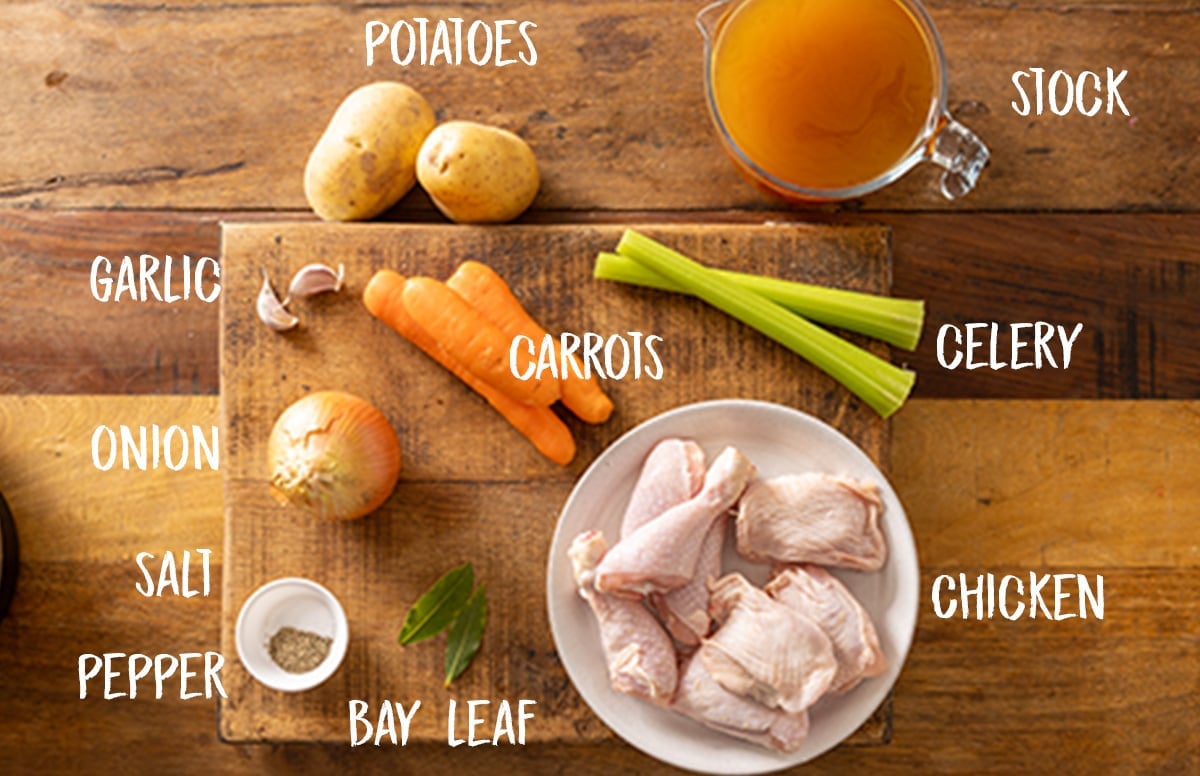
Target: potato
point(366, 160)
point(477, 174)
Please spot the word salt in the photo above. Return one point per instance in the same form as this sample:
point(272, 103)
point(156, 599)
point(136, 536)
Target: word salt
point(169, 575)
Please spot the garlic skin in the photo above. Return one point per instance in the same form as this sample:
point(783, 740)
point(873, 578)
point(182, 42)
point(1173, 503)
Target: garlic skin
point(316, 279)
point(271, 311)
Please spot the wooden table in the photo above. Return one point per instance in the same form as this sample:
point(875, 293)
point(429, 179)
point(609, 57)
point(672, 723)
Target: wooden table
point(137, 128)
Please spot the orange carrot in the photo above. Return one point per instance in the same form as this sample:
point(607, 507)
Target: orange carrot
point(484, 289)
point(383, 296)
point(472, 340)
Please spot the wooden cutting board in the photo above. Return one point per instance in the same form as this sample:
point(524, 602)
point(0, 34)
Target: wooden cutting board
point(472, 489)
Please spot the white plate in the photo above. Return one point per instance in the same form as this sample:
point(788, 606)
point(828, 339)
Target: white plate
point(778, 440)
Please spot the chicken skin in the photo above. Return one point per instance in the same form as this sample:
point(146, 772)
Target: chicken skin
point(685, 609)
point(663, 554)
point(703, 699)
point(672, 473)
point(764, 649)
point(812, 518)
point(640, 656)
point(817, 594)
point(742, 660)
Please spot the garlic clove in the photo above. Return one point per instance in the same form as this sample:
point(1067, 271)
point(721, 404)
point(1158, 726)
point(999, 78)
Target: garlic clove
point(271, 311)
point(316, 279)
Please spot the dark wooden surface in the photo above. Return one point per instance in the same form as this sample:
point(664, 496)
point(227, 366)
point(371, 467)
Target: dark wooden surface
point(210, 105)
point(139, 126)
point(1132, 280)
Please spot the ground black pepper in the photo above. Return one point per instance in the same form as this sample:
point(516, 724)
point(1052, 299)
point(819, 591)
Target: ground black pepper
point(297, 651)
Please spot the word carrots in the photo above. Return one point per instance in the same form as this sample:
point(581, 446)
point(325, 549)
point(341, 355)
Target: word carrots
point(467, 325)
point(472, 340)
point(479, 285)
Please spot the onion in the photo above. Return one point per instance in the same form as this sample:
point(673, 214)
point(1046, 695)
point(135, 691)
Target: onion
point(333, 455)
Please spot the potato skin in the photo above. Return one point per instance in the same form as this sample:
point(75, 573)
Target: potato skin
point(477, 174)
point(365, 161)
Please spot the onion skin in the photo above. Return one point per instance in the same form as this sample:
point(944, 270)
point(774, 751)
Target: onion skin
point(334, 456)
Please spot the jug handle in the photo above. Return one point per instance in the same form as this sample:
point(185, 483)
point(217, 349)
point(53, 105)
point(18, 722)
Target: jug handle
point(709, 18)
point(960, 154)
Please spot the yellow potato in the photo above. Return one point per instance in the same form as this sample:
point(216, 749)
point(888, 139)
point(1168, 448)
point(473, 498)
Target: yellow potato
point(365, 162)
point(477, 174)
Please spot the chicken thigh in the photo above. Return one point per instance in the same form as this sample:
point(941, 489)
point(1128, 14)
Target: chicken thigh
point(812, 518)
point(662, 554)
point(641, 658)
point(673, 473)
point(764, 649)
point(700, 697)
point(817, 594)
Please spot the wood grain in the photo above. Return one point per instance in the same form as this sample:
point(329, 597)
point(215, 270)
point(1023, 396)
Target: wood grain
point(60, 339)
point(203, 110)
point(1132, 280)
point(1113, 479)
point(83, 514)
point(471, 487)
point(979, 697)
point(706, 354)
point(614, 109)
point(1113, 461)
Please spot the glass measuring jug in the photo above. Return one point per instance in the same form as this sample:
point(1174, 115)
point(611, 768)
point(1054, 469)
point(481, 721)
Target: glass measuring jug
point(819, 100)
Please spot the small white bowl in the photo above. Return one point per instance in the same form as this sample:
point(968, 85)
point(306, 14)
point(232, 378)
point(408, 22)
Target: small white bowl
point(299, 603)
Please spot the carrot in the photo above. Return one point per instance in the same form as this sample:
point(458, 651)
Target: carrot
point(472, 340)
point(483, 288)
point(383, 296)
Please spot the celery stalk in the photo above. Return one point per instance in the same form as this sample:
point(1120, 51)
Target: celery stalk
point(881, 385)
point(895, 321)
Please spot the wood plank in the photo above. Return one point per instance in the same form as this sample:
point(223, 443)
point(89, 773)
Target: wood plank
point(549, 268)
point(989, 698)
point(69, 511)
point(471, 487)
point(1131, 279)
point(1109, 460)
point(190, 107)
point(1125, 6)
point(1050, 483)
point(60, 339)
point(992, 697)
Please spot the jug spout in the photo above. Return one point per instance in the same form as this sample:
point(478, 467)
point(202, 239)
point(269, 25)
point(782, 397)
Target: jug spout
point(709, 19)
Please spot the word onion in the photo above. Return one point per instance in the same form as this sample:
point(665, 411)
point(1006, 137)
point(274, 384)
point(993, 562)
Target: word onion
point(333, 455)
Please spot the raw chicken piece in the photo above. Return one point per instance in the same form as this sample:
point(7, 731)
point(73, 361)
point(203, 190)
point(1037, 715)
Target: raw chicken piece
point(817, 594)
point(641, 657)
point(685, 609)
point(764, 649)
point(700, 697)
point(672, 474)
point(812, 518)
point(662, 554)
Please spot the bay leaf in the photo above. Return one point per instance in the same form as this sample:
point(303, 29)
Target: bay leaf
point(465, 634)
point(436, 609)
